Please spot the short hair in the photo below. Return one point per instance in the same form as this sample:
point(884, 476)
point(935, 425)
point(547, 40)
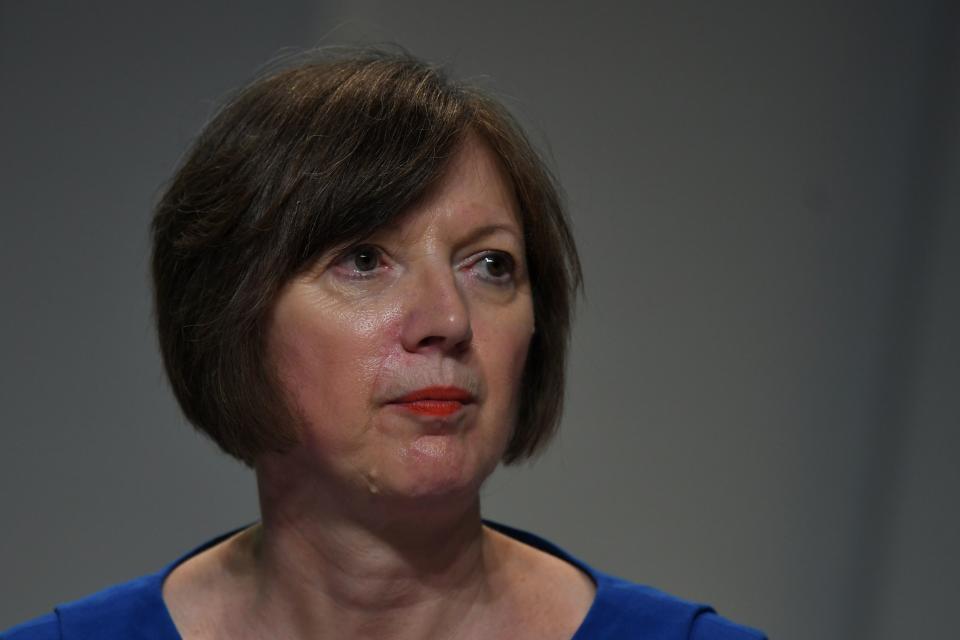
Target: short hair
point(307, 158)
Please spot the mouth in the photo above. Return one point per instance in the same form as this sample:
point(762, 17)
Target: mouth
point(434, 401)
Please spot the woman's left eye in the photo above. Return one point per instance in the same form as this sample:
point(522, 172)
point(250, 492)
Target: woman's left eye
point(496, 266)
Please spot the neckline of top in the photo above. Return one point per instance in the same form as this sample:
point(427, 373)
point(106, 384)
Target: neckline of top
point(600, 580)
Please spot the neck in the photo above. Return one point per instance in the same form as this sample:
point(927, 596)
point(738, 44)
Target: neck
point(366, 566)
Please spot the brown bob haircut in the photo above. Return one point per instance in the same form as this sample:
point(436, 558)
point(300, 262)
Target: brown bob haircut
point(311, 157)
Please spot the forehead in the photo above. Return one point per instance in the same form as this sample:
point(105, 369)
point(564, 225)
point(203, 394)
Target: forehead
point(474, 190)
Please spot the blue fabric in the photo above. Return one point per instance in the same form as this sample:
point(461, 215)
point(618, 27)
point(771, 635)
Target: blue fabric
point(622, 610)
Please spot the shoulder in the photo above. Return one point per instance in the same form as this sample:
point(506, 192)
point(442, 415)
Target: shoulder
point(43, 628)
point(624, 609)
point(627, 608)
point(710, 626)
point(133, 610)
point(130, 610)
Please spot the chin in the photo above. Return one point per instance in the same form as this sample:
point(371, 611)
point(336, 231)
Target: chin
point(434, 468)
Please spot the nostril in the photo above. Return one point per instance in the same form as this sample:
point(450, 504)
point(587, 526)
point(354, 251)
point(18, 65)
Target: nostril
point(451, 342)
point(431, 341)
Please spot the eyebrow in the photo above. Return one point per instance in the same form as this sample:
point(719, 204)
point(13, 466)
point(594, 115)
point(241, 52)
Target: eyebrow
point(474, 235)
point(488, 230)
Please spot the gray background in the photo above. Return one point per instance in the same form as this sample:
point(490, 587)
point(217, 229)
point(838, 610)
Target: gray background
point(763, 409)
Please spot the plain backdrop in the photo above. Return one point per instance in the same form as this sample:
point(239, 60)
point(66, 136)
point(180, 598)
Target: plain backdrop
point(763, 403)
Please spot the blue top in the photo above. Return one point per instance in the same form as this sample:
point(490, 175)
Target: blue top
point(621, 610)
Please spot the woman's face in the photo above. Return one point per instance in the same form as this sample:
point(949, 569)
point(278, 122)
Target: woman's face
point(403, 354)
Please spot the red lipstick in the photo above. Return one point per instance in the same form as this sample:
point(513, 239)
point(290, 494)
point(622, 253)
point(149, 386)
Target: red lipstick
point(435, 401)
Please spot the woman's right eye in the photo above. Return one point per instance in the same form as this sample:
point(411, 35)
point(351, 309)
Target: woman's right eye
point(361, 261)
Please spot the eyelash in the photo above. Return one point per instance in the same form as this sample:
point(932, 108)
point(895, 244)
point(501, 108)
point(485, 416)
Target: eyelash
point(351, 254)
point(511, 266)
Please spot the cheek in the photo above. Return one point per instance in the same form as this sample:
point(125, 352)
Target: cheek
point(506, 345)
point(521, 351)
point(328, 369)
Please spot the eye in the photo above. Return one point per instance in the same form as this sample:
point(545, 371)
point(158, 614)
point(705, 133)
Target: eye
point(496, 267)
point(360, 261)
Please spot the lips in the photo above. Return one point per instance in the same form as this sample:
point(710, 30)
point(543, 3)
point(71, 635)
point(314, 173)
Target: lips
point(435, 401)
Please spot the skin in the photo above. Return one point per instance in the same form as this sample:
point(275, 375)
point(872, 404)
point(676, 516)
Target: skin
point(371, 526)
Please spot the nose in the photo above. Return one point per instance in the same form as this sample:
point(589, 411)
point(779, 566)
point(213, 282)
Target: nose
point(436, 316)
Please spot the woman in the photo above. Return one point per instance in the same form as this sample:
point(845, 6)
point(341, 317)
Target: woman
point(363, 284)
